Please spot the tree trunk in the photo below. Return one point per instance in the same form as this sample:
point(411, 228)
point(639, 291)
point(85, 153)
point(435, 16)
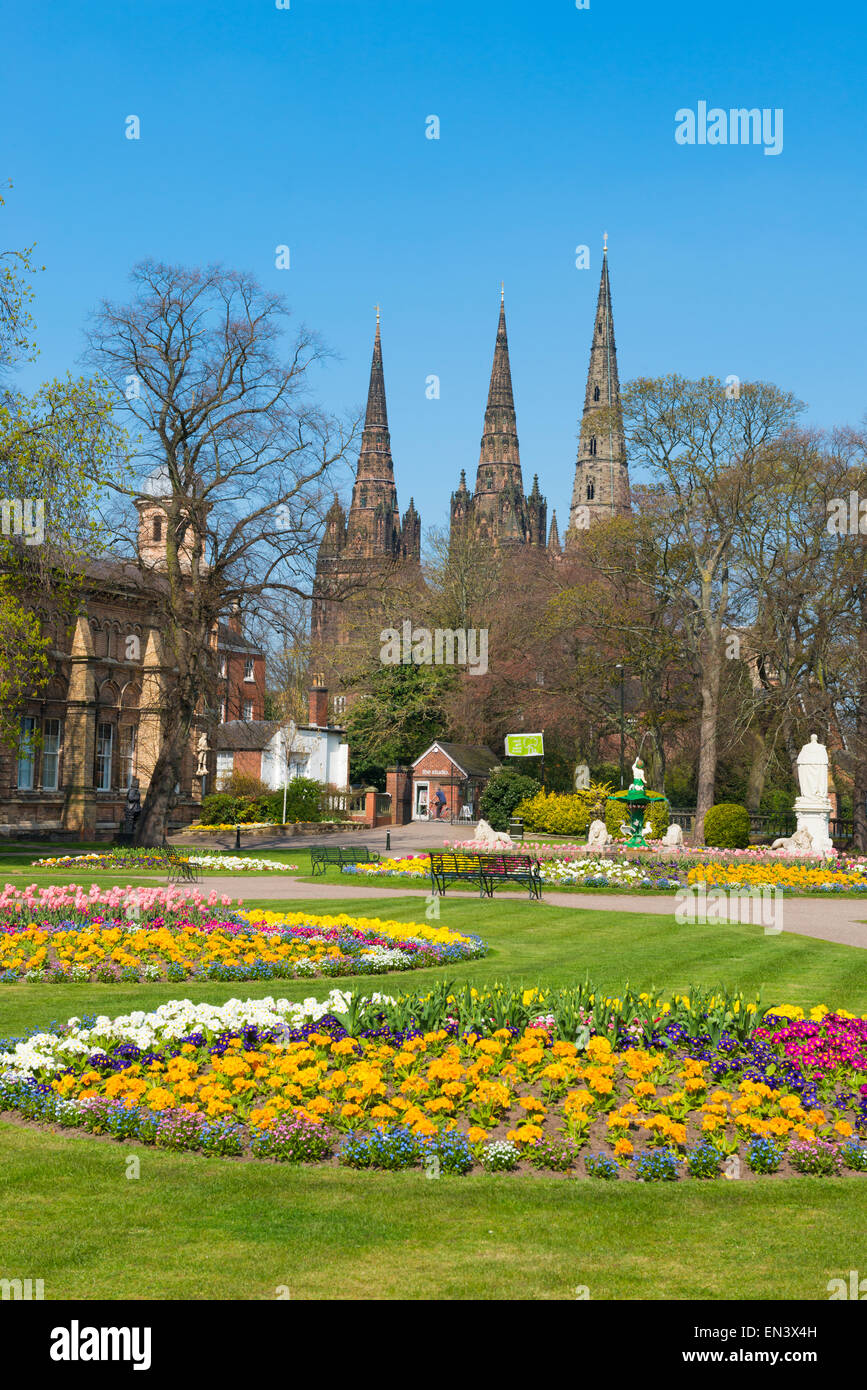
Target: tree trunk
point(758, 772)
point(859, 771)
point(707, 758)
point(153, 821)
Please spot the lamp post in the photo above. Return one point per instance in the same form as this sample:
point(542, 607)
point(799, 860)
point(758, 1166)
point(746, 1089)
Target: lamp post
point(619, 667)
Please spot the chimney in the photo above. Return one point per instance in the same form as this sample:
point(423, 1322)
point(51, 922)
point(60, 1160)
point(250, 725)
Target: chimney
point(234, 621)
point(319, 706)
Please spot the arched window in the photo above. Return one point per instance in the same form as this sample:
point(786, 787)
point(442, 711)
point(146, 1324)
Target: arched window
point(596, 393)
point(591, 490)
point(157, 529)
point(593, 444)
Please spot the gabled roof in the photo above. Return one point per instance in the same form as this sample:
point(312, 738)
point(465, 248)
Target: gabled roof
point(471, 760)
point(244, 734)
point(230, 641)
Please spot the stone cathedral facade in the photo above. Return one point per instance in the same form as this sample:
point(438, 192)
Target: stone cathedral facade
point(373, 542)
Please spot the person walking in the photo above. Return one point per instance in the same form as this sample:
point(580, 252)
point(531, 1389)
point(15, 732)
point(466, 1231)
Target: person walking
point(440, 800)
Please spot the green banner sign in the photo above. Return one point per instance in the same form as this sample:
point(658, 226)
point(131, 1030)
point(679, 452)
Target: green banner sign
point(524, 746)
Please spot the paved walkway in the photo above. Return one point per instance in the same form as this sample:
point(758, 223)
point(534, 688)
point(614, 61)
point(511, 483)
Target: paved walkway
point(841, 920)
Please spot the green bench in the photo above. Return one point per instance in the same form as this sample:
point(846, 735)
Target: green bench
point(336, 854)
point(487, 870)
point(179, 870)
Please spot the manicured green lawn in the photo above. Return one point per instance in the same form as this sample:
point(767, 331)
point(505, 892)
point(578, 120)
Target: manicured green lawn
point(194, 1227)
point(198, 1228)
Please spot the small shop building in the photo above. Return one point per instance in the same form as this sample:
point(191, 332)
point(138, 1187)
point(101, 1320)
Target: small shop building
point(462, 770)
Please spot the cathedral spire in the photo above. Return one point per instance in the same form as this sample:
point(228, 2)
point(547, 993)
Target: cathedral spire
point(554, 535)
point(601, 480)
point(374, 522)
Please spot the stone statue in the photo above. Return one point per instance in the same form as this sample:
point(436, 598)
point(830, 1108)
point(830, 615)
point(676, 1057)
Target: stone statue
point(202, 751)
point(638, 778)
point(813, 769)
point(582, 777)
point(598, 836)
point(673, 837)
point(489, 838)
point(799, 843)
point(132, 809)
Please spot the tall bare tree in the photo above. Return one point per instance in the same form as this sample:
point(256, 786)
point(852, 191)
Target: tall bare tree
point(238, 457)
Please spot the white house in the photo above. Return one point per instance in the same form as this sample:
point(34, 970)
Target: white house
point(274, 751)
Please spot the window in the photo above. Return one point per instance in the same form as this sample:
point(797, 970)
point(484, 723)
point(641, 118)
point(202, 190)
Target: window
point(50, 755)
point(248, 669)
point(26, 753)
point(223, 667)
point(248, 709)
point(596, 393)
point(591, 490)
point(339, 704)
point(225, 764)
point(593, 444)
point(157, 529)
point(222, 711)
point(104, 738)
point(127, 755)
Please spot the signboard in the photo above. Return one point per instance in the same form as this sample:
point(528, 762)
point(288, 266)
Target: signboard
point(524, 746)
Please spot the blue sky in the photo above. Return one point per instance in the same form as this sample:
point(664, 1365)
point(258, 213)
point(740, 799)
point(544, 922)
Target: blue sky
point(306, 127)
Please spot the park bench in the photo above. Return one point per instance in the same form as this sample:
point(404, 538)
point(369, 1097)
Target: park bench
point(179, 870)
point(486, 870)
point(335, 854)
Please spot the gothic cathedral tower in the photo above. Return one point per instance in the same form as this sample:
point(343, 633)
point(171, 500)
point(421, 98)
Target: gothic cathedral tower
point(498, 511)
point(601, 487)
point(372, 539)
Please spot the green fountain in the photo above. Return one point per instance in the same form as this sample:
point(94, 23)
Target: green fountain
point(637, 799)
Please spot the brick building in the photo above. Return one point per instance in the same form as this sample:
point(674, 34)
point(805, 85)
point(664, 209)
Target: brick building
point(98, 723)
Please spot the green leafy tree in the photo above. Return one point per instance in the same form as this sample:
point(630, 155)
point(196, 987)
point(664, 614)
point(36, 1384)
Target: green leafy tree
point(401, 712)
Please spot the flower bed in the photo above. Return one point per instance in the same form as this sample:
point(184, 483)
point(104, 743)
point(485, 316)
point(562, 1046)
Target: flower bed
point(580, 870)
point(132, 858)
point(134, 935)
point(566, 1082)
point(844, 877)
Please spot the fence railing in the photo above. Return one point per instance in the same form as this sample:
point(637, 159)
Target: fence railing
point(768, 826)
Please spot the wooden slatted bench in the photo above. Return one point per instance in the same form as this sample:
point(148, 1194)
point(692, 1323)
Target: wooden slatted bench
point(487, 870)
point(335, 854)
point(513, 868)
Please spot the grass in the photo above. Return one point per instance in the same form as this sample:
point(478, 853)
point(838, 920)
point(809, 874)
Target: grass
point(199, 1228)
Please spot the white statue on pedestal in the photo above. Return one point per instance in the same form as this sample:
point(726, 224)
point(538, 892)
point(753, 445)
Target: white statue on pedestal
point(813, 769)
point(813, 806)
point(581, 777)
point(598, 836)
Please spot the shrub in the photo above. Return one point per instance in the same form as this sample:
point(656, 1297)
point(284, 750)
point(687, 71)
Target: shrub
point(764, 1156)
point(727, 826)
point(564, 815)
point(302, 802)
point(617, 817)
point(502, 794)
point(243, 785)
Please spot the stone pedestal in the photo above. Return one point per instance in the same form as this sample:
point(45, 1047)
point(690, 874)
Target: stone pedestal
point(813, 814)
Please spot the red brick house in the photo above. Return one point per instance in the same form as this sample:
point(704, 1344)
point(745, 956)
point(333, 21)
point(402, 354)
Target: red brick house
point(461, 770)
